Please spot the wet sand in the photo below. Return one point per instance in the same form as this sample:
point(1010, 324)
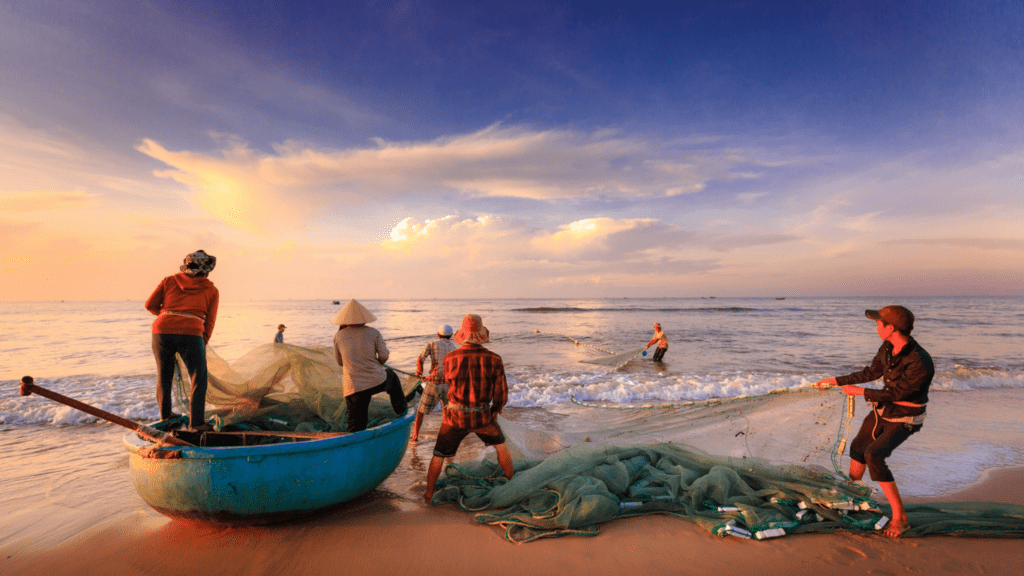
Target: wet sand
point(385, 534)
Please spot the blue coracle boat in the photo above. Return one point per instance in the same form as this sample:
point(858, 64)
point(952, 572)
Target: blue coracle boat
point(265, 483)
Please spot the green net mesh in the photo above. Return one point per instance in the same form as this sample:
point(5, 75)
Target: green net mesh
point(280, 387)
point(576, 489)
point(718, 464)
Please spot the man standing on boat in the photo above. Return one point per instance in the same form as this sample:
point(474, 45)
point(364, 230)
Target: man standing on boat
point(477, 392)
point(361, 351)
point(436, 389)
point(661, 339)
point(185, 306)
point(899, 407)
point(279, 336)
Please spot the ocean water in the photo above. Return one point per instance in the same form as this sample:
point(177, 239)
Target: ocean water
point(720, 349)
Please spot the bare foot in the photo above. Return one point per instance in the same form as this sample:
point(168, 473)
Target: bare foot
point(428, 498)
point(896, 529)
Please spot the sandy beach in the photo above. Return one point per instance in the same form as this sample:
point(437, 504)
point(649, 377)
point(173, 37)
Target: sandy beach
point(382, 534)
point(68, 505)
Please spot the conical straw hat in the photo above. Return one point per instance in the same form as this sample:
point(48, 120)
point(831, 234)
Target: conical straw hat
point(353, 313)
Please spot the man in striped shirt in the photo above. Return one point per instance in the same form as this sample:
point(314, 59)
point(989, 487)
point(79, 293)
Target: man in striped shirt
point(477, 392)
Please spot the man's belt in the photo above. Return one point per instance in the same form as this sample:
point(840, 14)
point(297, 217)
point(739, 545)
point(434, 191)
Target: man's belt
point(182, 314)
point(912, 420)
point(461, 408)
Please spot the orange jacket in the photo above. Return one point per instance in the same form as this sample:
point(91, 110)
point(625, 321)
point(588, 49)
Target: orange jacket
point(183, 294)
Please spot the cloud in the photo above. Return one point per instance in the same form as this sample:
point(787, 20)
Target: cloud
point(727, 243)
point(45, 201)
point(609, 239)
point(12, 232)
point(259, 192)
point(500, 255)
point(749, 197)
point(975, 243)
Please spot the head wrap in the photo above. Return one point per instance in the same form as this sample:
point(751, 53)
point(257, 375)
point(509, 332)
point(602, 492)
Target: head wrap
point(197, 263)
point(472, 331)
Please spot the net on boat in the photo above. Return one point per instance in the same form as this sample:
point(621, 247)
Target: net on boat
point(280, 387)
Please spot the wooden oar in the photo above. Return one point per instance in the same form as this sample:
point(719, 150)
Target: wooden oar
point(28, 387)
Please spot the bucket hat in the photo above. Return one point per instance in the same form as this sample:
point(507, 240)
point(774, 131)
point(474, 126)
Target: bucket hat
point(472, 331)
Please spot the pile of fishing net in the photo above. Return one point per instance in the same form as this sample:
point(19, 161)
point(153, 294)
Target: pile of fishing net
point(280, 387)
point(573, 491)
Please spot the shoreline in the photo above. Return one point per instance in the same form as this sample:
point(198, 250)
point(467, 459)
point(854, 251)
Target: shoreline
point(383, 534)
point(1002, 484)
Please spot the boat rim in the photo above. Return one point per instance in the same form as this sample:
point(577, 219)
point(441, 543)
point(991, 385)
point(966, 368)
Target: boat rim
point(133, 442)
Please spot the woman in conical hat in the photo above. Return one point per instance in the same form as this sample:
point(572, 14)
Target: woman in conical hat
point(353, 314)
point(361, 351)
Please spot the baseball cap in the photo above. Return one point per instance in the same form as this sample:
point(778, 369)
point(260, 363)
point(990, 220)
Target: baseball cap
point(897, 316)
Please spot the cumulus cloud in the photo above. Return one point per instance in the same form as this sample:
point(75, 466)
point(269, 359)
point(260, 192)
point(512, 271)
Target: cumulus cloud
point(509, 256)
point(251, 190)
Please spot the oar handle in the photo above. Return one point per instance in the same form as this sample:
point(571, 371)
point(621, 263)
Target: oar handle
point(28, 386)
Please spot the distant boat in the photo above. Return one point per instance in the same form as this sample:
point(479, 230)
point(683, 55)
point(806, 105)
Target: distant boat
point(337, 302)
point(778, 298)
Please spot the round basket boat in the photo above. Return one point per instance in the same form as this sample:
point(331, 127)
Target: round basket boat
point(265, 483)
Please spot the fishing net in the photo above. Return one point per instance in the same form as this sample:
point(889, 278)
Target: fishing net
point(732, 466)
point(574, 490)
point(280, 387)
point(616, 360)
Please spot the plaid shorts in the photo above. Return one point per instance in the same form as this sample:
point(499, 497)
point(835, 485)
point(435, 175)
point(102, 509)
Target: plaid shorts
point(432, 394)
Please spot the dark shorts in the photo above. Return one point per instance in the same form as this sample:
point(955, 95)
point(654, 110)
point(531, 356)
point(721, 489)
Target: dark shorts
point(449, 438)
point(876, 441)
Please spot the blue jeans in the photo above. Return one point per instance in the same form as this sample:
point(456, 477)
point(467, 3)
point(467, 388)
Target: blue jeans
point(193, 352)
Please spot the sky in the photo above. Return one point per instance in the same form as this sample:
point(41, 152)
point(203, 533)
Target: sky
point(379, 149)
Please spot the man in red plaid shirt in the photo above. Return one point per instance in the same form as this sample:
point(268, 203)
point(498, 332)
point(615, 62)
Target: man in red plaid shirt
point(477, 392)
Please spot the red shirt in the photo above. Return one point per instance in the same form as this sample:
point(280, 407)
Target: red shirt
point(476, 381)
point(183, 294)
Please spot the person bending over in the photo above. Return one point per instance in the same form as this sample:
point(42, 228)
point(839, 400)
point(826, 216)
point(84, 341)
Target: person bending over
point(662, 340)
